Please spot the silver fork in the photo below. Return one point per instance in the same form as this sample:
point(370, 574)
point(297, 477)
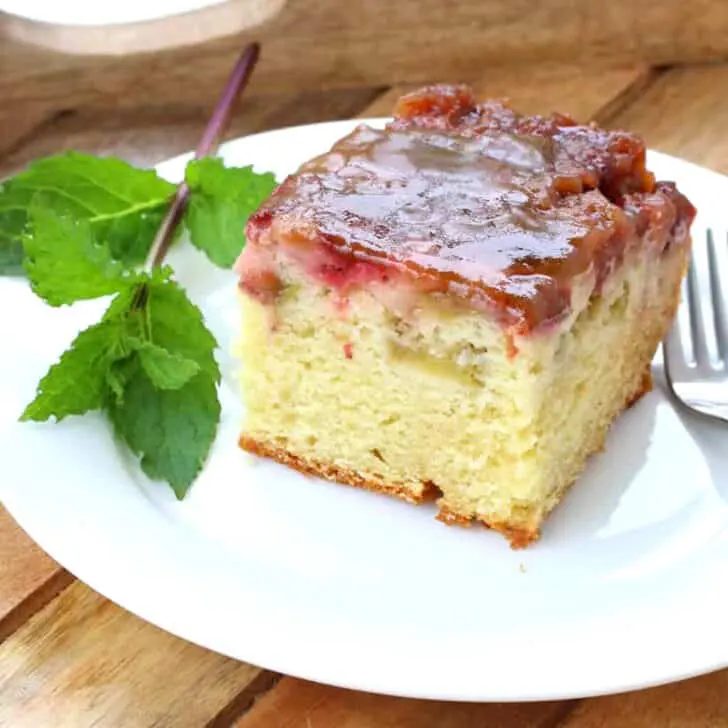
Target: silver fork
point(696, 349)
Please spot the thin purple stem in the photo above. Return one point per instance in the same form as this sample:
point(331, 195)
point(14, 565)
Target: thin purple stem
point(209, 143)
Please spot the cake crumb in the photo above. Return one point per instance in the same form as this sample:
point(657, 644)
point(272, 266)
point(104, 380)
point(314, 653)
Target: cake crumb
point(522, 568)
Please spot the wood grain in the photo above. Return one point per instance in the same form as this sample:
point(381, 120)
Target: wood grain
point(83, 661)
point(326, 44)
point(299, 704)
point(150, 134)
point(585, 94)
point(17, 125)
point(698, 703)
point(29, 578)
point(685, 112)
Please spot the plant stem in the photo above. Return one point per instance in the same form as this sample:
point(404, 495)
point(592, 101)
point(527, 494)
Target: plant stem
point(214, 130)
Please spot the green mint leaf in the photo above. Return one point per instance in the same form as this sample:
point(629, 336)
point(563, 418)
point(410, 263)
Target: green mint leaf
point(64, 261)
point(150, 365)
point(124, 205)
point(176, 324)
point(13, 218)
point(164, 369)
point(222, 198)
point(168, 410)
point(117, 377)
point(77, 383)
point(170, 429)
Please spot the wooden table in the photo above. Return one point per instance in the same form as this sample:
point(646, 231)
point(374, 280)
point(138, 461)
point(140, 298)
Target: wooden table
point(71, 659)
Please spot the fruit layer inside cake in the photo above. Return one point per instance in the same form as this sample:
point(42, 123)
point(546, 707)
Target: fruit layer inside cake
point(458, 306)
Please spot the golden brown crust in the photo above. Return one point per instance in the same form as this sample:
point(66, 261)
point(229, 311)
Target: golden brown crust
point(518, 537)
point(451, 518)
point(338, 474)
point(644, 388)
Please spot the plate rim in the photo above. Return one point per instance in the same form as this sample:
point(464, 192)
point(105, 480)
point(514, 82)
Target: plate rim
point(47, 538)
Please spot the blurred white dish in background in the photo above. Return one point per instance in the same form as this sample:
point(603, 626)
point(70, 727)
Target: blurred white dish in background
point(81, 28)
point(82, 12)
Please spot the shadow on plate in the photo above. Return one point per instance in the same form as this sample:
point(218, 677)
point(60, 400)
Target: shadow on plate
point(589, 505)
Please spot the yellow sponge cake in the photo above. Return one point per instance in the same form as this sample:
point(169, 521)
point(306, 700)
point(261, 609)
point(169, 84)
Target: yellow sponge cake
point(458, 306)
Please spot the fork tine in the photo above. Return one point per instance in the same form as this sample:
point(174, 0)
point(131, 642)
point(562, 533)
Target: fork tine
point(673, 354)
point(697, 330)
point(719, 296)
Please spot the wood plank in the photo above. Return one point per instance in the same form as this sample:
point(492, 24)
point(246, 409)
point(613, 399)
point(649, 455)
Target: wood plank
point(299, 704)
point(150, 134)
point(83, 661)
point(582, 93)
point(698, 703)
point(685, 112)
point(362, 45)
point(29, 578)
point(16, 125)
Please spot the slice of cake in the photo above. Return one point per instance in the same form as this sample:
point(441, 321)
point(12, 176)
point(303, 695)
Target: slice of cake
point(458, 306)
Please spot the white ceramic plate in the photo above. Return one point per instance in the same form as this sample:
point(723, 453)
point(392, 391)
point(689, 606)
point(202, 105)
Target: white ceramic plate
point(627, 588)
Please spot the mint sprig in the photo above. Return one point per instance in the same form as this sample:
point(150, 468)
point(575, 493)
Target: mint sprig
point(77, 225)
point(64, 259)
point(122, 205)
point(151, 369)
point(221, 200)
